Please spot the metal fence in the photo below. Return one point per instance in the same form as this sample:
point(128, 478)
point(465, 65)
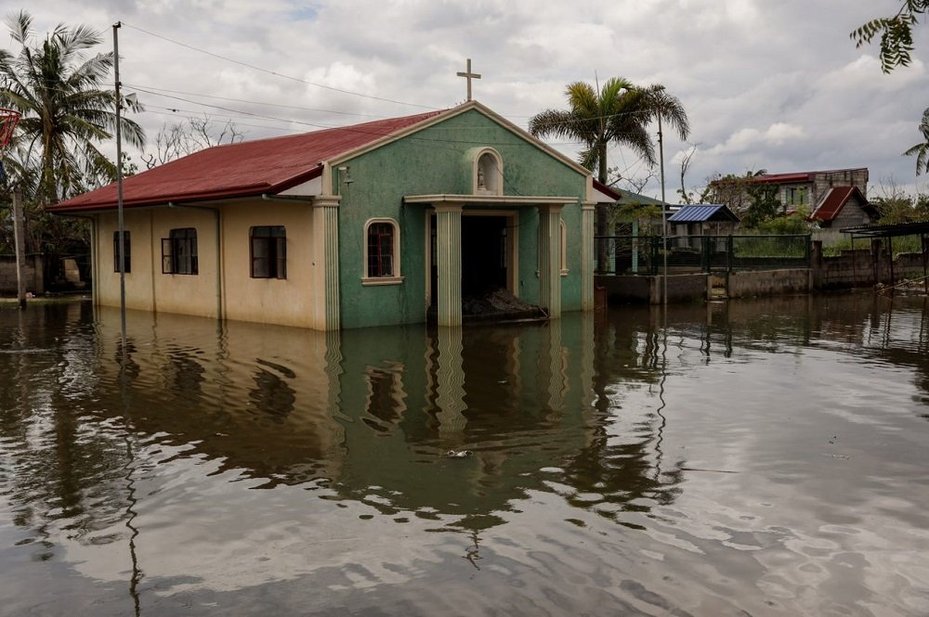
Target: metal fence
point(646, 255)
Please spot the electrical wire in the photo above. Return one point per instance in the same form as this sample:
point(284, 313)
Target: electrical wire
point(275, 73)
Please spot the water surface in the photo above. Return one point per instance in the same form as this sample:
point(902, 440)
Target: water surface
point(756, 457)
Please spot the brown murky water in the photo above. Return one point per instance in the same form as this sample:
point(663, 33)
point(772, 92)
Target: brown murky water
point(755, 458)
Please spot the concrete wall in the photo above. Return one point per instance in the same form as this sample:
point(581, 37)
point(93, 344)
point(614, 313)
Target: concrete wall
point(33, 273)
point(863, 267)
point(851, 215)
point(636, 289)
point(768, 282)
point(824, 180)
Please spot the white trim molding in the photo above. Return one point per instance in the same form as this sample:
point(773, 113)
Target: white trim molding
point(395, 277)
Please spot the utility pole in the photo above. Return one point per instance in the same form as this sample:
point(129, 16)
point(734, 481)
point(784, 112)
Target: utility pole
point(20, 241)
point(119, 188)
point(664, 223)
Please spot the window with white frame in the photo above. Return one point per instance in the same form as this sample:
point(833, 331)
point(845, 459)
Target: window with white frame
point(564, 248)
point(382, 250)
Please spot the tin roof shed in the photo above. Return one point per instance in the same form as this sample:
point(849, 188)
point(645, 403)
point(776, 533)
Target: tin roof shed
point(704, 213)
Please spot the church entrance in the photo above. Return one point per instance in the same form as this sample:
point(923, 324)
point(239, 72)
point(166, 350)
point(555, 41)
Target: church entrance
point(484, 256)
point(487, 254)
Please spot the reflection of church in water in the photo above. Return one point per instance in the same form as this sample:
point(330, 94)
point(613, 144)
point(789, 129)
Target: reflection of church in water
point(382, 407)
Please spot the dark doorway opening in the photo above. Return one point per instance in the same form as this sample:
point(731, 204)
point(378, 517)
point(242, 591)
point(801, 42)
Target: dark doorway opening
point(483, 255)
point(486, 246)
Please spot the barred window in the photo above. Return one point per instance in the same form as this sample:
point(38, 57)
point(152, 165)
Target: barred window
point(381, 249)
point(268, 249)
point(127, 244)
point(179, 252)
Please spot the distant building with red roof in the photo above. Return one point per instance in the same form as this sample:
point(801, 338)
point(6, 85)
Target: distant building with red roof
point(824, 192)
point(809, 188)
point(844, 206)
point(385, 222)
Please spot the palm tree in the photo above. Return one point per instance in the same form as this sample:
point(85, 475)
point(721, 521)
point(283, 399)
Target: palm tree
point(921, 150)
point(65, 113)
point(618, 114)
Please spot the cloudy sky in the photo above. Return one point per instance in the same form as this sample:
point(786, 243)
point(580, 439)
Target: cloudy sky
point(773, 85)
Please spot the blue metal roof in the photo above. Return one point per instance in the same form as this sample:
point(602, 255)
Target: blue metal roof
point(702, 213)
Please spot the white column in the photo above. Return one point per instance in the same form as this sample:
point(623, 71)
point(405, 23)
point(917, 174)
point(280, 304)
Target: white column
point(587, 256)
point(448, 264)
point(325, 251)
point(550, 253)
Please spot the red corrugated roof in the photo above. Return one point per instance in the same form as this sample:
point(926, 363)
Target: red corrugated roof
point(800, 176)
point(244, 169)
point(834, 201)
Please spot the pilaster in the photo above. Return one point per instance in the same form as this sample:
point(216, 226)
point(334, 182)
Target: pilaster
point(550, 253)
point(325, 251)
point(448, 264)
point(587, 256)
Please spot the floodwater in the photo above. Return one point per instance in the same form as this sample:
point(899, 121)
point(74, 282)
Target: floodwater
point(752, 458)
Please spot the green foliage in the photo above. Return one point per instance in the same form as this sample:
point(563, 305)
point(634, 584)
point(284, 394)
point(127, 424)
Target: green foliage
point(753, 201)
point(65, 113)
point(896, 32)
point(648, 217)
point(921, 150)
point(900, 207)
point(772, 246)
point(902, 244)
point(763, 205)
point(795, 223)
point(618, 114)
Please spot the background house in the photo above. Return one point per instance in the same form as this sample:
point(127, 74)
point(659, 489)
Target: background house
point(806, 190)
point(809, 188)
point(844, 206)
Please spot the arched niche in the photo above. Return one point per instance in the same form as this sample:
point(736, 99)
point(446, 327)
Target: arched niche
point(487, 172)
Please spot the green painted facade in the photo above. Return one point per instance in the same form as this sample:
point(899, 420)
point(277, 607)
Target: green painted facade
point(439, 160)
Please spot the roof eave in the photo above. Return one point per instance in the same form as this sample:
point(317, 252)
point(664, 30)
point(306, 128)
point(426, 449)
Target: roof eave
point(255, 190)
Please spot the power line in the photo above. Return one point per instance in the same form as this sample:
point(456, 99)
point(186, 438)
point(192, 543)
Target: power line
point(235, 100)
point(354, 128)
point(275, 73)
point(174, 111)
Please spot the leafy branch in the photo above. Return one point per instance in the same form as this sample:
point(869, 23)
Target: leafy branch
point(896, 34)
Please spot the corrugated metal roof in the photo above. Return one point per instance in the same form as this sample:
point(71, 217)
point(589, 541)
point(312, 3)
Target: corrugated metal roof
point(243, 169)
point(835, 200)
point(702, 213)
point(800, 176)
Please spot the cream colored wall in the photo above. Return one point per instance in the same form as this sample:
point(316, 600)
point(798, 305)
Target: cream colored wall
point(281, 301)
point(146, 287)
point(286, 301)
point(139, 278)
